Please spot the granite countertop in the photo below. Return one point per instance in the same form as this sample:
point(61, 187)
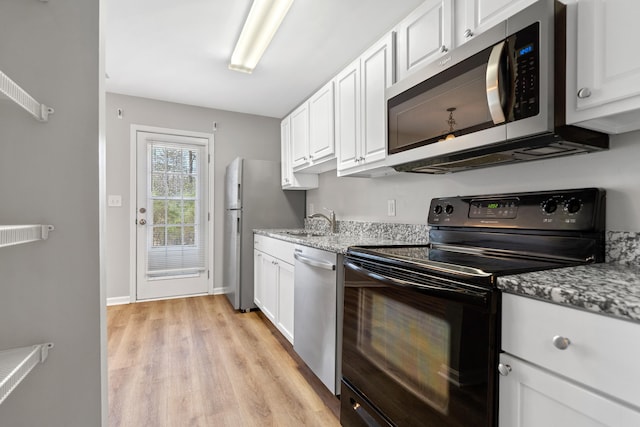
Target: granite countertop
point(338, 243)
point(607, 288)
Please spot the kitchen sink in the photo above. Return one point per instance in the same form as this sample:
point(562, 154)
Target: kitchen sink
point(304, 233)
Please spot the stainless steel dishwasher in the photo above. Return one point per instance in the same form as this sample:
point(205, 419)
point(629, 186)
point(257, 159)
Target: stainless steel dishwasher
point(318, 313)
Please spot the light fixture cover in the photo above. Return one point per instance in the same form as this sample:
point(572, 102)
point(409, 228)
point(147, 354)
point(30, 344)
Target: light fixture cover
point(261, 25)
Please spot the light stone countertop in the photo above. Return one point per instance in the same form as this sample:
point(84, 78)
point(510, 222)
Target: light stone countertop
point(337, 243)
point(606, 288)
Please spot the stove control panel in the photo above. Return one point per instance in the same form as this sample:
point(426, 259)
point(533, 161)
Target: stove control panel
point(571, 210)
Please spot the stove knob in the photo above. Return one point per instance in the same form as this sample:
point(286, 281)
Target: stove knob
point(573, 206)
point(437, 210)
point(448, 209)
point(550, 206)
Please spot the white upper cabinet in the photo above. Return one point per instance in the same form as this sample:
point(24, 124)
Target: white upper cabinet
point(312, 133)
point(424, 36)
point(473, 17)
point(361, 111)
point(300, 137)
point(603, 78)
point(291, 180)
point(347, 112)
point(321, 130)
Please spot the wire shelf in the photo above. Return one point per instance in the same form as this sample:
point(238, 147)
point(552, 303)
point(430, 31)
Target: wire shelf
point(18, 234)
point(15, 365)
point(11, 90)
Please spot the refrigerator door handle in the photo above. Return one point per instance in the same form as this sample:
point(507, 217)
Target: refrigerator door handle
point(238, 225)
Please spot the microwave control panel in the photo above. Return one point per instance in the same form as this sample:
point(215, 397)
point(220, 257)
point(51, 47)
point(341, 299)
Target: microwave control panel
point(524, 52)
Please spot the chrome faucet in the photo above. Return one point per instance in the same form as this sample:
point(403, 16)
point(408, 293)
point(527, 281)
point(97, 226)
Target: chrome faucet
point(331, 218)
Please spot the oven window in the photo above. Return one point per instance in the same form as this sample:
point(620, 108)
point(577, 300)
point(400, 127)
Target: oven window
point(412, 346)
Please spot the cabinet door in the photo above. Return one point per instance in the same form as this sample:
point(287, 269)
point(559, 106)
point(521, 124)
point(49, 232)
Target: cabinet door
point(300, 137)
point(606, 69)
point(285, 300)
point(347, 113)
point(425, 35)
point(480, 15)
point(269, 286)
point(530, 396)
point(258, 282)
point(285, 152)
point(321, 131)
point(376, 68)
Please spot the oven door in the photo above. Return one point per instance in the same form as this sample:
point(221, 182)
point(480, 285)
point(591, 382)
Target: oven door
point(417, 349)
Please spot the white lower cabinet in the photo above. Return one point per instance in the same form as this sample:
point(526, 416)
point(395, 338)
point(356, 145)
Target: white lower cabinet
point(567, 367)
point(273, 282)
point(532, 396)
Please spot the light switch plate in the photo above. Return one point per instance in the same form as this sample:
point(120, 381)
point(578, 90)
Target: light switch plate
point(114, 200)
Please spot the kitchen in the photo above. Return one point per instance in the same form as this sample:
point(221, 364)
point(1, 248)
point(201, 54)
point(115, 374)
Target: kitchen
point(613, 170)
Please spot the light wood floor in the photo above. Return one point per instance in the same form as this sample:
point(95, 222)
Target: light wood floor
point(196, 362)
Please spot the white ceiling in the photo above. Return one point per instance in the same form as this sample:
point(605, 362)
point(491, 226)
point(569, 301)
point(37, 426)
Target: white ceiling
point(179, 50)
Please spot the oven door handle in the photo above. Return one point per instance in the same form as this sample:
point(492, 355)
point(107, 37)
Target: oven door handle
point(468, 295)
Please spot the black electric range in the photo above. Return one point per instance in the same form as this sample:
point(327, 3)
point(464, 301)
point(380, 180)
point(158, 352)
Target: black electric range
point(421, 323)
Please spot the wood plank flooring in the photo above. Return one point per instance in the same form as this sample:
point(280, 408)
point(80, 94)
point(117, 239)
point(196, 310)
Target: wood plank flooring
point(197, 362)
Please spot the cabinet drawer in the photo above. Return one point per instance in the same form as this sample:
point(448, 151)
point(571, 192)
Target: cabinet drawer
point(602, 353)
point(274, 247)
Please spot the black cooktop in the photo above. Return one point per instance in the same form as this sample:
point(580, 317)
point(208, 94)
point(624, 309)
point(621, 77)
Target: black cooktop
point(464, 262)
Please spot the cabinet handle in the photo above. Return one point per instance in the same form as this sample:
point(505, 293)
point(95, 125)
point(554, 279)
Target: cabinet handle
point(468, 33)
point(503, 369)
point(443, 49)
point(561, 343)
point(304, 158)
point(585, 92)
point(362, 159)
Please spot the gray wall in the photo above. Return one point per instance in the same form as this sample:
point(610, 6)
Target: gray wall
point(238, 135)
point(616, 170)
point(50, 291)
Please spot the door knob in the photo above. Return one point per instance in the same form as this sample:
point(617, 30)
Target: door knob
point(142, 210)
point(504, 369)
point(142, 221)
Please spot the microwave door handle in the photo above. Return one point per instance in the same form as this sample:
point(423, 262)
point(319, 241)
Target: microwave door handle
point(493, 84)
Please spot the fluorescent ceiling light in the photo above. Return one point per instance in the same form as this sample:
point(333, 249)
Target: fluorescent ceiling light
point(262, 23)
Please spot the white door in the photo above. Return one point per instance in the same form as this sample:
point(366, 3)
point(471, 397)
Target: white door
point(171, 215)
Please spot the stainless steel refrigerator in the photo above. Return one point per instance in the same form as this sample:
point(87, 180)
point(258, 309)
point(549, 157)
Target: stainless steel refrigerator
point(253, 199)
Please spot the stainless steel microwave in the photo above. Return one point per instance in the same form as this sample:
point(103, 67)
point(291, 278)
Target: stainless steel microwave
point(499, 98)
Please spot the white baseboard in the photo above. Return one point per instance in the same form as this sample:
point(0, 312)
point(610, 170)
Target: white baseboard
point(218, 291)
point(118, 300)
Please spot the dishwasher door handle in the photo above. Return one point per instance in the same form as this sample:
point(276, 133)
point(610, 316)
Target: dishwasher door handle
point(314, 262)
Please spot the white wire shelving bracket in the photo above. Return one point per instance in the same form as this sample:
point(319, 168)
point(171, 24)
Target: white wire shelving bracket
point(11, 90)
point(11, 235)
point(16, 363)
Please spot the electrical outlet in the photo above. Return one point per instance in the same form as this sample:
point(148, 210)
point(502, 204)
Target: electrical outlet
point(114, 200)
point(391, 207)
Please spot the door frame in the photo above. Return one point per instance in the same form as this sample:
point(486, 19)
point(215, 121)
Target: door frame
point(133, 188)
